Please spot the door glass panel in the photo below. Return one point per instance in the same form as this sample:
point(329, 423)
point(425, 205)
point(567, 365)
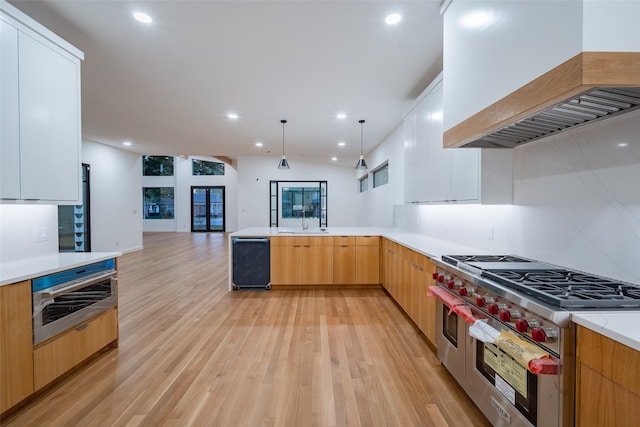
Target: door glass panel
point(199, 209)
point(216, 209)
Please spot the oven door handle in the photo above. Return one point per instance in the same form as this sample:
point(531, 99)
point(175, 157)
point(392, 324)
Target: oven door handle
point(73, 286)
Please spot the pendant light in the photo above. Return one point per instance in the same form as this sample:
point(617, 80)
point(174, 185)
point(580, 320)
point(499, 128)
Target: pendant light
point(362, 165)
point(284, 164)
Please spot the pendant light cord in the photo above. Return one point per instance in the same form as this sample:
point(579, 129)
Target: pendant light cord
point(283, 122)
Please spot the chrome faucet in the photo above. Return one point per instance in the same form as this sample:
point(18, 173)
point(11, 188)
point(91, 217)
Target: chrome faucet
point(304, 226)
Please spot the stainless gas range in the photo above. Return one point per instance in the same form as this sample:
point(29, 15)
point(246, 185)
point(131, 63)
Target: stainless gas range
point(504, 332)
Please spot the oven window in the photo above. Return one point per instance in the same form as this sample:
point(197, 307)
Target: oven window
point(513, 380)
point(67, 304)
point(450, 326)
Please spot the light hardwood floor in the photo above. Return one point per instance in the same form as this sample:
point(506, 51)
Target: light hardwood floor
point(193, 354)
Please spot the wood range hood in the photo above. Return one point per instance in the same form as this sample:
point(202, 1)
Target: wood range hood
point(589, 87)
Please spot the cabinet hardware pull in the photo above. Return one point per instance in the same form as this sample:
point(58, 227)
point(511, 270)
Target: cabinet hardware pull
point(81, 327)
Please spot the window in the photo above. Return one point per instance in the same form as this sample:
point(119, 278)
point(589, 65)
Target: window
point(157, 165)
point(364, 183)
point(381, 175)
point(294, 203)
point(158, 202)
point(203, 167)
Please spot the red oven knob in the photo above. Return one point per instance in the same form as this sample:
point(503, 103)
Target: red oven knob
point(480, 301)
point(493, 309)
point(440, 278)
point(435, 276)
point(522, 325)
point(462, 291)
point(538, 335)
point(505, 315)
point(451, 284)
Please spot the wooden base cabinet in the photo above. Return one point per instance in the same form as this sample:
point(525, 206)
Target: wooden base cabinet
point(406, 276)
point(301, 260)
point(16, 344)
point(608, 382)
point(367, 260)
point(57, 356)
point(344, 260)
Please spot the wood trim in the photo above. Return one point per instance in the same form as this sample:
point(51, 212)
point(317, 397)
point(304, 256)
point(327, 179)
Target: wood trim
point(16, 356)
point(576, 75)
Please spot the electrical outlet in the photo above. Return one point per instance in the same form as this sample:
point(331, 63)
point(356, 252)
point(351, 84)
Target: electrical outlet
point(40, 234)
point(490, 232)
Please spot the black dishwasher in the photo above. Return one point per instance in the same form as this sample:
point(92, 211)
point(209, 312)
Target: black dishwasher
point(251, 263)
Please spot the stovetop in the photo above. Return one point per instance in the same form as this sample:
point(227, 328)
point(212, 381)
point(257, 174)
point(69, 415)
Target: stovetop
point(558, 286)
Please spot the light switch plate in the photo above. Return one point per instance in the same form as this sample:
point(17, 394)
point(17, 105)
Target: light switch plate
point(40, 234)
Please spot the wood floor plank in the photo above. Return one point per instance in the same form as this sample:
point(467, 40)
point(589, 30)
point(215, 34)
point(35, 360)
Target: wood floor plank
point(193, 354)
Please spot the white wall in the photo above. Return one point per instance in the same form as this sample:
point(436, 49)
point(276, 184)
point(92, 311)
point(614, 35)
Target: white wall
point(18, 224)
point(375, 205)
point(254, 174)
point(116, 197)
point(576, 204)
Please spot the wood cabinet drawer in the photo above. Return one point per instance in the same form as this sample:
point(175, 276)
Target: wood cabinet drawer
point(368, 240)
point(344, 240)
point(55, 357)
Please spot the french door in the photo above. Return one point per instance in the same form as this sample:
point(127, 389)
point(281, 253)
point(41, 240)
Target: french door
point(207, 208)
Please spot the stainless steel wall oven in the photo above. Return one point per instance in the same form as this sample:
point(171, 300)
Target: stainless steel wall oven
point(64, 300)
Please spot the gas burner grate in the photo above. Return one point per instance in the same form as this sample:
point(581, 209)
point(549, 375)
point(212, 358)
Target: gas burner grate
point(570, 289)
point(454, 259)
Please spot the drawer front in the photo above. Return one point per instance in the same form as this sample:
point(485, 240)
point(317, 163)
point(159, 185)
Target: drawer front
point(57, 356)
point(368, 240)
point(344, 240)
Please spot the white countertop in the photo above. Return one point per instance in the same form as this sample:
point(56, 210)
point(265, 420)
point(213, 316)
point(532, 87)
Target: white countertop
point(17, 271)
point(426, 245)
point(623, 327)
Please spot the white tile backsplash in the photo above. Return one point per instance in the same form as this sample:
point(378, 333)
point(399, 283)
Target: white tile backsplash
point(576, 203)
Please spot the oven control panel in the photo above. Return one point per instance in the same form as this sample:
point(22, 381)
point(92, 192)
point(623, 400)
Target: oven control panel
point(514, 316)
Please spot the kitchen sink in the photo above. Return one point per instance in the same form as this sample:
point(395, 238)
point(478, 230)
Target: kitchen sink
point(309, 231)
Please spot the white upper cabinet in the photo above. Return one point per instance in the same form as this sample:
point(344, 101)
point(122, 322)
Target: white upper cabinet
point(434, 174)
point(41, 127)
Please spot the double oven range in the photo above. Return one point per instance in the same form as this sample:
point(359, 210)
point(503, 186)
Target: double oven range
point(530, 303)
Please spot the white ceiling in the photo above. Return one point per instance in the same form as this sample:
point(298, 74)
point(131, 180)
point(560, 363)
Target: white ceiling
point(168, 86)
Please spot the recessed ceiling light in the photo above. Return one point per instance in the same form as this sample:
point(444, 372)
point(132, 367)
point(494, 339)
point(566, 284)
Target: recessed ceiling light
point(335, 159)
point(258, 144)
point(622, 144)
point(127, 143)
point(341, 116)
point(341, 144)
point(142, 17)
point(232, 116)
point(393, 19)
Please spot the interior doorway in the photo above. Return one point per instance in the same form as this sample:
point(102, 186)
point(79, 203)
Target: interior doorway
point(74, 222)
point(207, 209)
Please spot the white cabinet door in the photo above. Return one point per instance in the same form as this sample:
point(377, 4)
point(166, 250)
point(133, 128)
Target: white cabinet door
point(49, 122)
point(9, 118)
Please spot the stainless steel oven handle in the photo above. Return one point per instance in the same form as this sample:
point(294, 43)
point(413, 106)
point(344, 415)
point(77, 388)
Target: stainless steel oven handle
point(79, 285)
